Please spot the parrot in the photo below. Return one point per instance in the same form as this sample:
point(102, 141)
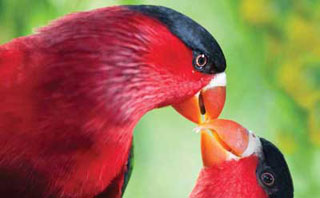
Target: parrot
point(72, 93)
point(237, 163)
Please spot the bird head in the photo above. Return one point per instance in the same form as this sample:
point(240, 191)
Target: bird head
point(237, 163)
point(190, 62)
point(132, 59)
point(192, 58)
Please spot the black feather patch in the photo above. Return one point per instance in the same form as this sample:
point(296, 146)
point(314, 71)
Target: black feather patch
point(273, 161)
point(191, 33)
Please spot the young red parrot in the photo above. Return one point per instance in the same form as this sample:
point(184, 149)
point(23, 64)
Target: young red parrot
point(239, 164)
point(71, 95)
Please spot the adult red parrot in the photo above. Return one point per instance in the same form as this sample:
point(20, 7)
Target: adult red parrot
point(72, 93)
point(239, 164)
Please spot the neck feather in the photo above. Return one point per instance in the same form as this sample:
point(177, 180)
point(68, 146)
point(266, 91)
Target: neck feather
point(228, 180)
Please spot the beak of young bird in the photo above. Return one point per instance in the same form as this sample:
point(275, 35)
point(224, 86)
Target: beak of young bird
point(223, 140)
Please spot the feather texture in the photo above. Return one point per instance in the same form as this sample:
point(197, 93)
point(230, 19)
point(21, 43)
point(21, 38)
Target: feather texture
point(229, 179)
point(72, 93)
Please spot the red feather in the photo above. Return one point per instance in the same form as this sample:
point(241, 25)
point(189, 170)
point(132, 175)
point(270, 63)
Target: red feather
point(72, 94)
point(229, 180)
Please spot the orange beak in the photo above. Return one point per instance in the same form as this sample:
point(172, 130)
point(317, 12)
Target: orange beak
point(207, 104)
point(223, 140)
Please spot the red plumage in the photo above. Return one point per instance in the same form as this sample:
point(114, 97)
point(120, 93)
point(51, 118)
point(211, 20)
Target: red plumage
point(235, 178)
point(72, 93)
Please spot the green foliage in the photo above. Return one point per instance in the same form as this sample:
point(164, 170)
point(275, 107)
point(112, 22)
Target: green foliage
point(272, 49)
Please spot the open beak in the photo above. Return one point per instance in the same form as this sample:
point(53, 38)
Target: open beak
point(207, 104)
point(223, 140)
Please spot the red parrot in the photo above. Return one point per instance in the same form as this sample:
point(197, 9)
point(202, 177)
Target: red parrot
point(237, 163)
point(72, 93)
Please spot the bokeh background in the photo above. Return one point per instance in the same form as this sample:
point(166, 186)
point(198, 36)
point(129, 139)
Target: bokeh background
point(272, 49)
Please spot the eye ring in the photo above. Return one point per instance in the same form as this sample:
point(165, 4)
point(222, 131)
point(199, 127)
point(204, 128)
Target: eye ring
point(267, 179)
point(201, 60)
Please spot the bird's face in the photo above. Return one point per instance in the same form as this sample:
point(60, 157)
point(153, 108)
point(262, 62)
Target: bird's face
point(186, 61)
point(239, 164)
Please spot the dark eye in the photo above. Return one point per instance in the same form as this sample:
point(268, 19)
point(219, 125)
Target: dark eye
point(201, 60)
point(267, 178)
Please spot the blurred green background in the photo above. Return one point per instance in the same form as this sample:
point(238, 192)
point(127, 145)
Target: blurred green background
point(272, 49)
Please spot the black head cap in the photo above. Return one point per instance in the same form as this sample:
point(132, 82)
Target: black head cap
point(191, 33)
point(272, 162)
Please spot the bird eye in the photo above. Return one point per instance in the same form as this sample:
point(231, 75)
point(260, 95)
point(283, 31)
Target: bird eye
point(267, 178)
point(201, 60)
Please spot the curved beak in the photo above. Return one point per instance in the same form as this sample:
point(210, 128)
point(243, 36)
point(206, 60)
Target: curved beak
point(223, 140)
point(207, 104)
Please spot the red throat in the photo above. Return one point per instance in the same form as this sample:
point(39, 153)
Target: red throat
point(229, 180)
